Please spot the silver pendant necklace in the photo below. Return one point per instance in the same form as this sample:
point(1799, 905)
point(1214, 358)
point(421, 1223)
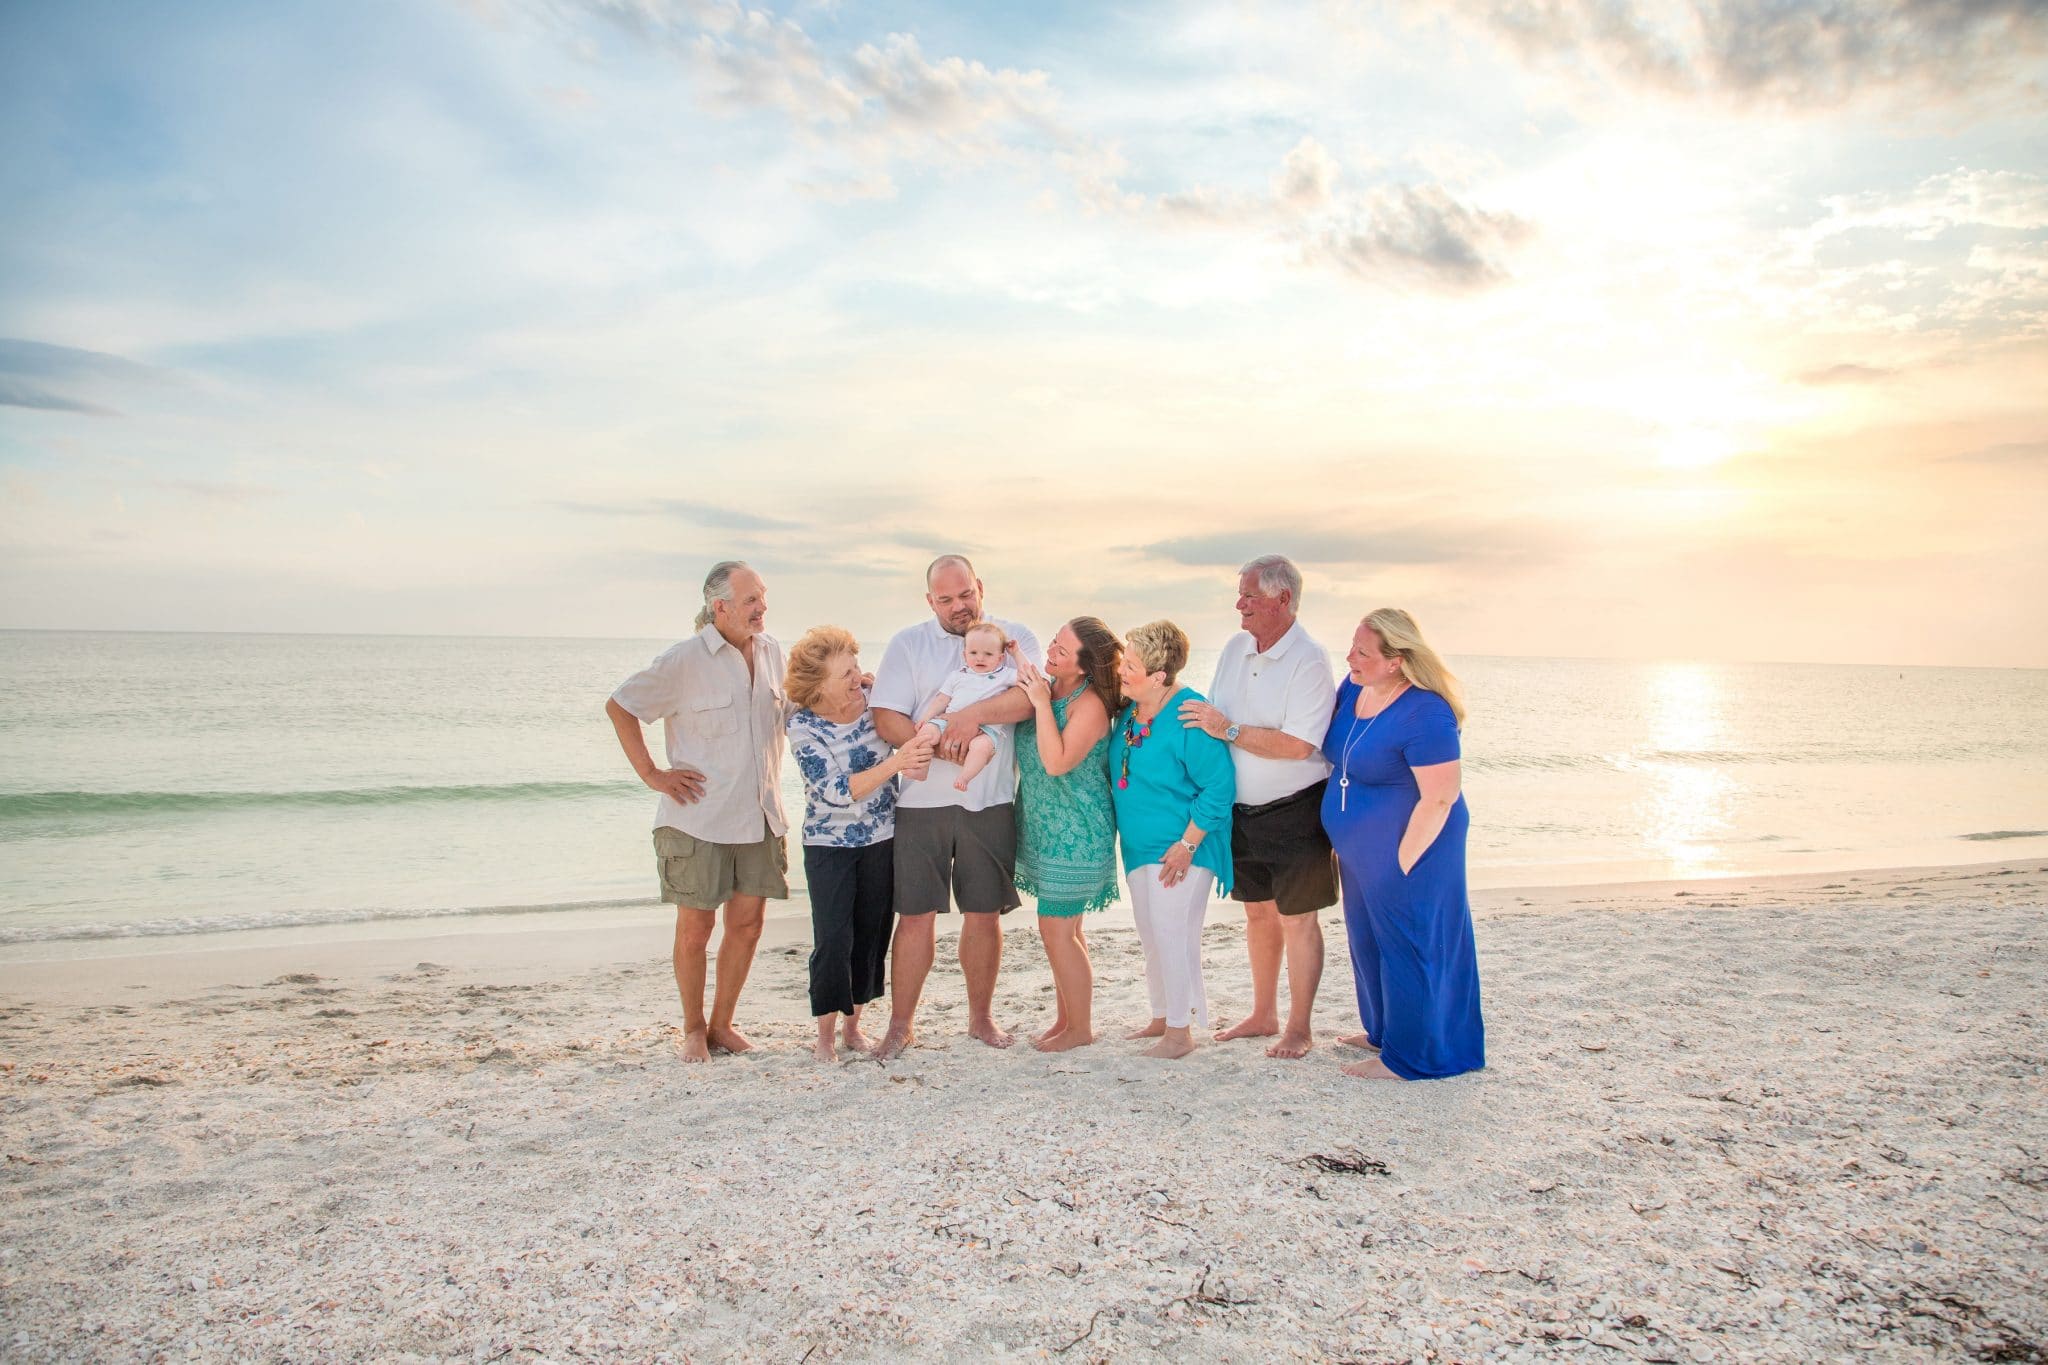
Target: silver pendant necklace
point(1344, 770)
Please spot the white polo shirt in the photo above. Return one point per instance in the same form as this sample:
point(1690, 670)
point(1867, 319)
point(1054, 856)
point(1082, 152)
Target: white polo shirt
point(919, 662)
point(1288, 688)
point(714, 718)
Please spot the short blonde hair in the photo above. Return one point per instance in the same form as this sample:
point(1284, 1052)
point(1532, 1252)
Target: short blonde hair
point(806, 676)
point(989, 628)
point(1162, 647)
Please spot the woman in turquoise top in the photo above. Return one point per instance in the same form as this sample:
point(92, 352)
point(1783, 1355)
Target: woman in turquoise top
point(1174, 786)
point(1066, 829)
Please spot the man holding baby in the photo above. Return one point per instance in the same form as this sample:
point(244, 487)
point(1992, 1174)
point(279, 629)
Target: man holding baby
point(956, 833)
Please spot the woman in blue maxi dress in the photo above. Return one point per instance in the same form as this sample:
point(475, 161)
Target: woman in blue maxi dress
point(1393, 797)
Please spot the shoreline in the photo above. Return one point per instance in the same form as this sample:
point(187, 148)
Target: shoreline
point(105, 968)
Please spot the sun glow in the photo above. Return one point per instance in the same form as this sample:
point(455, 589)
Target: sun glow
point(1695, 448)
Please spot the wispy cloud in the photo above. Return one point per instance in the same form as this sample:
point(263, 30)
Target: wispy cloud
point(1413, 543)
point(2026, 453)
point(1801, 55)
point(697, 513)
point(36, 374)
point(889, 101)
point(1411, 234)
point(1847, 373)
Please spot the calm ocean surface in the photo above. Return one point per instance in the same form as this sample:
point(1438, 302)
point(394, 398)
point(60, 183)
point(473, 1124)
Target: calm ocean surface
point(176, 784)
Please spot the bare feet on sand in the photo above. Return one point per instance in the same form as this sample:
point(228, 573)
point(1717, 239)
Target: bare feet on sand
point(985, 1031)
point(1292, 1044)
point(1066, 1040)
point(1155, 1029)
point(1359, 1041)
point(822, 1050)
point(728, 1039)
point(692, 1048)
point(1170, 1048)
point(1251, 1026)
point(1039, 1040)
point(1371, 1069)
point(893, 1042)
point(851, 1035)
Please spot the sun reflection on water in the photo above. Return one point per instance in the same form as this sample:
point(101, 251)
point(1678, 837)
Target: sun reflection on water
point(1686, 810)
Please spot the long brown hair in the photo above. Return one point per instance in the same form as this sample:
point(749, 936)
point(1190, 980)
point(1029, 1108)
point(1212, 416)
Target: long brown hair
point(1100, 650)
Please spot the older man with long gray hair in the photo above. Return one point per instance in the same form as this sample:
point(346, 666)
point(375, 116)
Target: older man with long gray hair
point(1271, 702)
point(719, 824)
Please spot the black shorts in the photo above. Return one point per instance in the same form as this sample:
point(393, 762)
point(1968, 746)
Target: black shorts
point(971, 853)
point(1279, 852)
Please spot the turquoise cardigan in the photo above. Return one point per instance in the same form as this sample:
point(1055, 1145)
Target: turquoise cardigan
point(1177, 774)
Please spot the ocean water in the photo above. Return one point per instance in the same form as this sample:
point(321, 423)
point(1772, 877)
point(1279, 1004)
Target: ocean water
point(162, 785)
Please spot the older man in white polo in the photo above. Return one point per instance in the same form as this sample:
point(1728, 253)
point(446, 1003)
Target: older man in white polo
point(1271, 702)
point(950, 841)
point(719, 824)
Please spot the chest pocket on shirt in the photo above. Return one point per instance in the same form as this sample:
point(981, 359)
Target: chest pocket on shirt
point(714, 716)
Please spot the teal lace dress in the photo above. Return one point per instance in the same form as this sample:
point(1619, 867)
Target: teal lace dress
point(1066, 828)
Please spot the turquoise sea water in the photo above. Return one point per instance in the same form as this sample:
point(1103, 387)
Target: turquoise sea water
point(184, 783)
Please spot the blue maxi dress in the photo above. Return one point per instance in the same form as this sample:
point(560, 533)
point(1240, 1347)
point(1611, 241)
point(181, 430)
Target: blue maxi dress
point(1412, 954)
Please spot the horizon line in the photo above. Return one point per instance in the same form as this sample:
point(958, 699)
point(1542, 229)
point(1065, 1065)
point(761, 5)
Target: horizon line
point(460, 635)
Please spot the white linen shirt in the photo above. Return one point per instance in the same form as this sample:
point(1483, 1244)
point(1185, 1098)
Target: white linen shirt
point(920, 661)
point(1288, 688)
point(716, 719)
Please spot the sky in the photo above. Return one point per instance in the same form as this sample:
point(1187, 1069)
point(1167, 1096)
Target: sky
point(1577, 327)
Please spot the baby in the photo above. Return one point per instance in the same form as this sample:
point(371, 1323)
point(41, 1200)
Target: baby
point(983, 673)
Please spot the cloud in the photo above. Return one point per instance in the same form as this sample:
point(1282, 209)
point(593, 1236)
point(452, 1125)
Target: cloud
point(1417, 543)
point(238, 494)
point(1403, 234)
point(879, 100)
point(1420, 234)
point(889, 101)
point(1801, 55)
point(16, 394)
point(2009, 453)
point(36, 374)
point(2007, 200)
point(699, 513)
point(1846, 374)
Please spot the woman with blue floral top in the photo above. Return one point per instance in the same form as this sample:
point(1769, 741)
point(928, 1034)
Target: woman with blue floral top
point(849, 775)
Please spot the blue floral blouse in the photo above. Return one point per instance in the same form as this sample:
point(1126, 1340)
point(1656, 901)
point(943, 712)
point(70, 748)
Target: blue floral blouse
point(828, 754)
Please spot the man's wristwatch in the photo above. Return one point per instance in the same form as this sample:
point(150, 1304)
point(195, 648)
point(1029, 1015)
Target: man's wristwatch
point(1230, 733)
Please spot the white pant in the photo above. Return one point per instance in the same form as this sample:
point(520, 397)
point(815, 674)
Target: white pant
point(1170, 929)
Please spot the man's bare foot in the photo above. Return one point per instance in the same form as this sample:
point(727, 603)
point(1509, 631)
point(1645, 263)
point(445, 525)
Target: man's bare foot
point(985, 1031)
point(1170, 1048)
point(692, 1048)
point(1155, 1029)
point(1371, 1069)
point(1359, 1041)
point(728, 1039)
point(893, 1042)
point(823, 1051)
point(1066, 1040)
point(1291, 1044)
point(1251, 1026)
point(851, 1035)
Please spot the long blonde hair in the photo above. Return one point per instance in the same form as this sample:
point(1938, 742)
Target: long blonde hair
point(1401, 638)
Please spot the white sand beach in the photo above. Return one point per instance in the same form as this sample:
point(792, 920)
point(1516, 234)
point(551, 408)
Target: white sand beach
point(1785, 1119)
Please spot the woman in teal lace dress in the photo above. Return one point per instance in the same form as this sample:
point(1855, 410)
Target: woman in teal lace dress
point(1066, 829)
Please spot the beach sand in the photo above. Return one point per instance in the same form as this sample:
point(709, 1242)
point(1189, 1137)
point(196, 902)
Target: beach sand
point(1787, 1119)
